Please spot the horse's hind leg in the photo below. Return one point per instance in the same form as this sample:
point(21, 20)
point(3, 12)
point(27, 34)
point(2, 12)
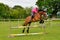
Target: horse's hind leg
point(28, 27)
point(28, 30)
point(23, 30)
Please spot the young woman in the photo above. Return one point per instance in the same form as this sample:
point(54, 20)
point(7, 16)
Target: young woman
point(34, 11)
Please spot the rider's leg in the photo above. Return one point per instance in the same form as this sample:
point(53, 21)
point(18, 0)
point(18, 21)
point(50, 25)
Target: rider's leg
point(32, 16)
point(28, 27)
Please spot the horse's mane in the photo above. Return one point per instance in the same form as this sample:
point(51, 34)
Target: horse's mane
point(41, 10)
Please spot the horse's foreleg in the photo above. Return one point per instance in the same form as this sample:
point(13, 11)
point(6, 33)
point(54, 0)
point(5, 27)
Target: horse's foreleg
point(42, 24)
point(43, 27)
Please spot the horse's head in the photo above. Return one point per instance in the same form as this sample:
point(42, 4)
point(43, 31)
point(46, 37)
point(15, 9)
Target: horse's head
point(43, 13)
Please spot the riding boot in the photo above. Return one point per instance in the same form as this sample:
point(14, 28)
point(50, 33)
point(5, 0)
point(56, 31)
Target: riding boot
point(32, 17)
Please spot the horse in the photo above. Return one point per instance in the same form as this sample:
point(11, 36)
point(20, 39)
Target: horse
point(37, 17)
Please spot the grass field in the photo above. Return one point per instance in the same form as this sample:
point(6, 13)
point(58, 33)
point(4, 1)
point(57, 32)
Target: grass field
point(53, 29)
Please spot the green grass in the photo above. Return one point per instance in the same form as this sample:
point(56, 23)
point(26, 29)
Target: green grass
point(53, 29)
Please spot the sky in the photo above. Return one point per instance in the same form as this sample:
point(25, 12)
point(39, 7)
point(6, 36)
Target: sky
point(23, 3)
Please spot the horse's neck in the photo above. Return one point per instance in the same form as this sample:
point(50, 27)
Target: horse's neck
point(38, 15)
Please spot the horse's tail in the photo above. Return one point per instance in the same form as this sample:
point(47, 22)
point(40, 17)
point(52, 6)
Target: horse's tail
point(27, 20)
point(25, 24)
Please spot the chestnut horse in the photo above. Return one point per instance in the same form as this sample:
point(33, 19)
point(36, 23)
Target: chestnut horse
point(37, 17)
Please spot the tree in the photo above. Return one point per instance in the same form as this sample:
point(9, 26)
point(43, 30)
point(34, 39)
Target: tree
point(18, 7)
point(19, 11)
point(55, 5)
point(28, 11)
point(4, 11)
point(49, 4)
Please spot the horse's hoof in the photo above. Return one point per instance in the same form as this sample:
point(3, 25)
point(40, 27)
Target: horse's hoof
point(22, 31)
point(27, 32)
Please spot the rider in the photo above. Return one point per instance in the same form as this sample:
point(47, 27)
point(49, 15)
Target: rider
point(34, 11)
